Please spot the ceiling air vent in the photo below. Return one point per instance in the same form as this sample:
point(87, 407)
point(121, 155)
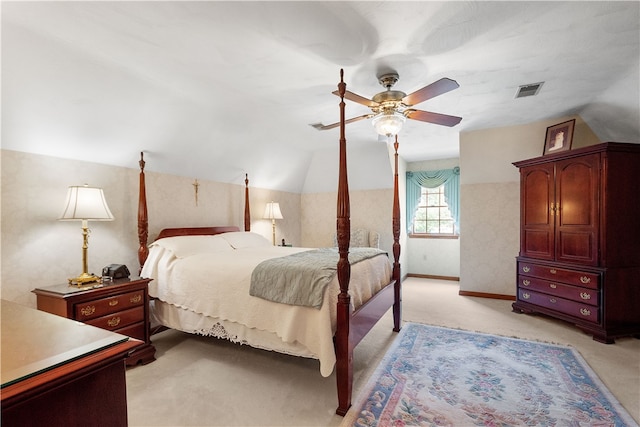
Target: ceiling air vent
point(529, 90)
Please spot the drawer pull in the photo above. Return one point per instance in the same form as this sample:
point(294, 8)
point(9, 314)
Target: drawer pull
point(88, 310)
point(135, 299)
point(553, 285)
point(526, 282)
point(585, 279)
point(585, 312)
point(526, 269)
point(525, 295)
point(113, 303)
point(113, 322)
point(553, 300)
point(553, 271)
point(585, 295)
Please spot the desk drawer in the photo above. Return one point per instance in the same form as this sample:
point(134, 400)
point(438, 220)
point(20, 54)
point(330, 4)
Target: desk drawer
point(120, 319)
point(571, 277)
point(572, 308)
point(575, 293)
point(101, 307)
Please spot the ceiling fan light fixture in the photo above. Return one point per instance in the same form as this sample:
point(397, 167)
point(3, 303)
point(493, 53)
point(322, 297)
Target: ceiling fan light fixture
point(388, 124)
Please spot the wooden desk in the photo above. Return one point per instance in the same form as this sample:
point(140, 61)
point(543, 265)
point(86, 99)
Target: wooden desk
point(59, 372)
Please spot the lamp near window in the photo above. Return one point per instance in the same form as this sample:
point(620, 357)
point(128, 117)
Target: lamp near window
point(84, 204)
point(272, 212)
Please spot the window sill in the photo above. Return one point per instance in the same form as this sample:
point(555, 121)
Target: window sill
point(433, 236)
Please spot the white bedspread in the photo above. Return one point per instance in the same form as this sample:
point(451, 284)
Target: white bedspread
point(216, 284)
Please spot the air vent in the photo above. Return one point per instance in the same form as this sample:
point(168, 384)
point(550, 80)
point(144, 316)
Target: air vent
point(529, 90)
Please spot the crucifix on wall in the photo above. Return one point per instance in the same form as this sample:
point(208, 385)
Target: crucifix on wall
point(196, 184)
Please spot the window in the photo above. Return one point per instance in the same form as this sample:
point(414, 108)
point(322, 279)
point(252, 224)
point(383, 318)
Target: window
point(432, 216)
point(433, 200)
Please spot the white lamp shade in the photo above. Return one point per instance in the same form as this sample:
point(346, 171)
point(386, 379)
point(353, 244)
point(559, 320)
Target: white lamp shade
point(272, 211)
point(86, 203)
point(388, 123)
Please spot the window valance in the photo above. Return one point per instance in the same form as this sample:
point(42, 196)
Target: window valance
point(432, 179)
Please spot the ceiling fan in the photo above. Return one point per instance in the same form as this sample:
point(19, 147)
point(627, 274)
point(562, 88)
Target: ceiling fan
point(391, 108)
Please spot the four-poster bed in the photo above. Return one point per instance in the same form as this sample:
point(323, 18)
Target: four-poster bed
point(352, 306)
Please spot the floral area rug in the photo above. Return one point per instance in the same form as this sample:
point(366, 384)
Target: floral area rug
point(433, 376)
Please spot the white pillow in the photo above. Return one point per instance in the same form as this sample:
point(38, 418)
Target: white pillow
point(245, 239)
point(184, 246)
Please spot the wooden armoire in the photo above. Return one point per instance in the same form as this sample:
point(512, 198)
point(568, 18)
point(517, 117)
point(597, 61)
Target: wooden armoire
point(579, 255)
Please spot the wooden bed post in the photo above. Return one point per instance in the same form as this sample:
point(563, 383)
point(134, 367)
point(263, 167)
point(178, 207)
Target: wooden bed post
point(344, 350)
point(397, 305)
point(143, 219)
point(247, 211)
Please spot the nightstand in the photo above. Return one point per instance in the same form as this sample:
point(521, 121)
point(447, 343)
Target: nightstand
point(120, 306)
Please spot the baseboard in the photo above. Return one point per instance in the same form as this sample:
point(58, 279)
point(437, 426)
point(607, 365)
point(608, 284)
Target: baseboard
point(431, 276)
point(486, 295)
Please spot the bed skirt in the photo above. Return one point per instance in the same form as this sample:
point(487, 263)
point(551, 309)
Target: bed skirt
point(188, 321)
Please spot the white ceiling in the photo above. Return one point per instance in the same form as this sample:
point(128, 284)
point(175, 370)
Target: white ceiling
point(216, 89)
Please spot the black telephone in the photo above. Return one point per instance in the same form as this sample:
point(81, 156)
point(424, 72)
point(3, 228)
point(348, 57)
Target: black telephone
point(115, 271)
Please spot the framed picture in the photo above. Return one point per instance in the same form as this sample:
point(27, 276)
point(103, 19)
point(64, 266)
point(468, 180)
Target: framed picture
point(559, 137)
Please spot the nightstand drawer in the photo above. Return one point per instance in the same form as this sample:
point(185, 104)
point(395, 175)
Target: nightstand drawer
point(136, 330)
point(120, 319)
point(104, 306)
point(575, 293)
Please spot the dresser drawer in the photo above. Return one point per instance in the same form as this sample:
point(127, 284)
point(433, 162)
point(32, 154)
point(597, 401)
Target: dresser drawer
point(101, 307)
point(572, 308)
point(575, 293)
point(120, 319)
point(571, 277)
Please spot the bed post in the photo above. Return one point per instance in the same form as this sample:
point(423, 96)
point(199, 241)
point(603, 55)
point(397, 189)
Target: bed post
point(397, 306)
point(344, 351)
point(247, 210)
point(143, 220)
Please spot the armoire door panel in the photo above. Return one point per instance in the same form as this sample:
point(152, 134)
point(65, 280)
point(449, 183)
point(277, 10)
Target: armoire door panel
point(538, 211)
point(577, 247)
point(537, 244)
point(538, 187)
point(577, 196)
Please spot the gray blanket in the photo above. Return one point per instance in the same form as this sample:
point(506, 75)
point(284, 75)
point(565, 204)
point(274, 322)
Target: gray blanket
point(301, 279)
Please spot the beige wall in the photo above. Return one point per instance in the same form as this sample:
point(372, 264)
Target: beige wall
point(370, 209)
point(490, 200)
point(37, 250)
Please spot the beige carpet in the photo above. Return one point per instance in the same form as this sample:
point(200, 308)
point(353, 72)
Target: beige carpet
point(198, 381)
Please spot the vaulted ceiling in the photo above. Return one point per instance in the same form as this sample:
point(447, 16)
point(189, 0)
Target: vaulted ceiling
point(215, 89)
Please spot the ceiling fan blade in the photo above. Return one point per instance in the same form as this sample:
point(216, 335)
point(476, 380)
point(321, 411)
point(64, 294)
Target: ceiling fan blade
point(320, 126)
point(436, 118)
point(443, 85)
point(357, 98)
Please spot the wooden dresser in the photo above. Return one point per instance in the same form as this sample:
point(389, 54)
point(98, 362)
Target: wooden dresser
point(121, 306)
point(579, 255)
point(58, 372)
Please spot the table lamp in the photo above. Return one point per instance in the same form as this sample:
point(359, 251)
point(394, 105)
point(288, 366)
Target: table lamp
point(85, 203)
point(272, 212)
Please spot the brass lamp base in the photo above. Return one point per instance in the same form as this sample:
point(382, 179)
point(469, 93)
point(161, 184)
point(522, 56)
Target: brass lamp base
point(83, 279)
